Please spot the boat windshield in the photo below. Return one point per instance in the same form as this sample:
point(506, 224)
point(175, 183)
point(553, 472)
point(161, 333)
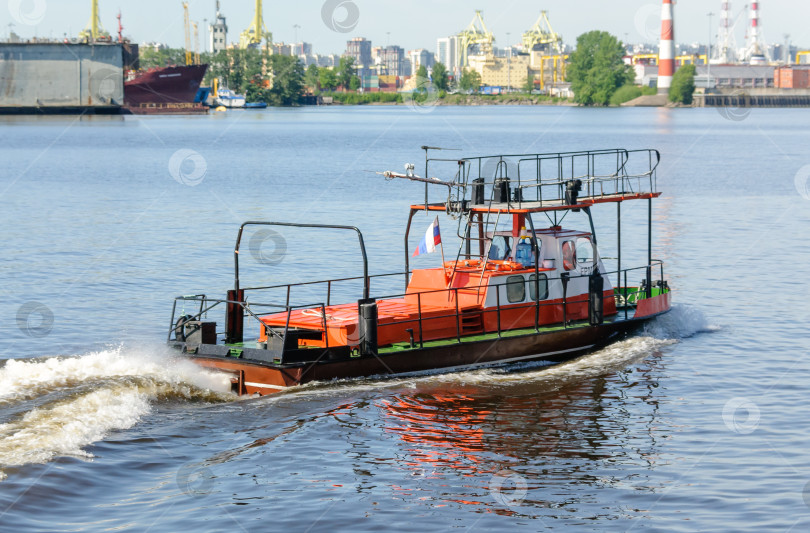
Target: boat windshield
point(499, 248)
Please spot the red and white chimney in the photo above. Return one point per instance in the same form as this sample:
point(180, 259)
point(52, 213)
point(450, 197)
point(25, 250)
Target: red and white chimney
point(755, 21)
point(756, 53)
point(666, 51)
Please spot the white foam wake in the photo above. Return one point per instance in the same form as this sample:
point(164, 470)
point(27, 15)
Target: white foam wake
point(65, 428)
point(683, 321)
point(72, 402)
point(28, 378)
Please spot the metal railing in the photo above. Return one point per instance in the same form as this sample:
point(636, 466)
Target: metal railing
point(624, 301)
point(538, 180)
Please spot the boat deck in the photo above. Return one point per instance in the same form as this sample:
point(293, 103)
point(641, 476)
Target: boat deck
point(346, 314)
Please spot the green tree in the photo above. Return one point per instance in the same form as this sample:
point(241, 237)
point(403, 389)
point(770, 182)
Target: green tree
point(257, 92)
point(236, 68)
point(151, 58)
point(421, 72)
point(328, 79)
point(312, 77)
point(470, 80)
point(529, 87)
point(683, 85)
point(355, 83)
point(625, 94)
point(345, 71)
point(439, 75)
point(288, 80)
point(597, 69)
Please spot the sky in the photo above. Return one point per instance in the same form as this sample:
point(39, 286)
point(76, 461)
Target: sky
point(328, 24)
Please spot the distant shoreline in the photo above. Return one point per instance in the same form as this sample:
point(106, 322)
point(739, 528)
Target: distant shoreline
point(394, 99)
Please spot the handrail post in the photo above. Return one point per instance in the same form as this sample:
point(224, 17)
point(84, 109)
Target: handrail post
point(564, 280)
point(407, 257)
point(649, 248)
point(619, 243)
point(286, 329)
point(626, 295)
point(458, 319)
point(661, 264)
point(498, 307)
point(325, 327)
point(419, 310)
point(171, 322)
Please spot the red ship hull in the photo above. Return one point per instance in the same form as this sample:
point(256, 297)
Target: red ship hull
point(168, 85)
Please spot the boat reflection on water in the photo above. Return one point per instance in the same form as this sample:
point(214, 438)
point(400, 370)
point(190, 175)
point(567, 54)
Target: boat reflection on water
point(524, 441)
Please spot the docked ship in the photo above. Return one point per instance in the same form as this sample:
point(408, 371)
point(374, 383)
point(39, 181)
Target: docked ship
point(520, 288)
point(166, 90)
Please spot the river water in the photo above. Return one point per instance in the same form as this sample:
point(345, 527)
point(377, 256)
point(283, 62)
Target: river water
point(700, 422)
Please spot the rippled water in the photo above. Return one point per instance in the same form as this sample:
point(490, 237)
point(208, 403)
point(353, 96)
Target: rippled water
point(697, 423)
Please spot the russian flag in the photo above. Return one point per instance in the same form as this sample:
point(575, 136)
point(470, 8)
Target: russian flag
point(430, 240)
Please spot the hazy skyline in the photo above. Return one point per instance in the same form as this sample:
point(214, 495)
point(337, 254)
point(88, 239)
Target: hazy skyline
point(328, 24)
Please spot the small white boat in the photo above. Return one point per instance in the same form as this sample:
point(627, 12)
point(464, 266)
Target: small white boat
point(228, 98)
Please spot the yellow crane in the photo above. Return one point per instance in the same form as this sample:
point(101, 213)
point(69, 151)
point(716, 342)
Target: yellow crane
point(800, 55)
point(542, 35)
point(690, 59)
point(187, 27)
point(559, 62)
point(94, 31)
point(475, 34)
point(196, 44)
point(257, 31)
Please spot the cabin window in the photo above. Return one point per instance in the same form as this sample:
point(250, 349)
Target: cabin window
point(569, 255)
point(515, 289)
point(541, 286)
point(584, 252)
point(499, 248)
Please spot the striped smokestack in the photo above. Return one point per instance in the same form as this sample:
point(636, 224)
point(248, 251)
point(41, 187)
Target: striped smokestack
point(756, 54)
point(666, 52)
point(755, 22)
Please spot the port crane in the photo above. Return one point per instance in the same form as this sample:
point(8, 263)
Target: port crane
point(542, 35)
point(475, 34)
point(726, 50)
point(196, 44)
point(257, 31)
point(187, 27)
point(94, 31)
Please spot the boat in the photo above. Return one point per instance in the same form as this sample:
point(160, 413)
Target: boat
point(166, 90)
point(521, 286)
point(256, 105)
point(228, 98)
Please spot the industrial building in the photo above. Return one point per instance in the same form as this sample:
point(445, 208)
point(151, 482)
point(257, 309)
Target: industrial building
point(718, 77)
point(219, 33)
point(540, 57)
point(735, 76)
